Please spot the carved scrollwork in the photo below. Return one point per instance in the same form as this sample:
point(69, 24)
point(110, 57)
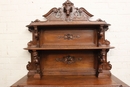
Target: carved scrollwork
point(104, 66)
point(30, 44)
point(68, 13)
point(68, 36)
point(29, 66)
point(68, 59)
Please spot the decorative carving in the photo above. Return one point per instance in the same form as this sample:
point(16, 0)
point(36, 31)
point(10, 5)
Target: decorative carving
point(30, 29)
point(30, 44)
point(29, 66)
point(34, 65)
point(68, 13)
point(36, 34)
point(34, 42)
point(103, 64)
point(67, 7)
point(68, 59)
point(35, 57)
point(69, 36)
point(102, 41)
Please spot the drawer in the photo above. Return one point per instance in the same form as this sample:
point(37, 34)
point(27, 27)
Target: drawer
point(68, 37)
point(68, 62)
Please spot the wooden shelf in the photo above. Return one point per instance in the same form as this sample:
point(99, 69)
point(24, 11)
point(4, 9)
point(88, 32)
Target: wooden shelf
point(68, 23)
point(66, 48)
point(69, 81)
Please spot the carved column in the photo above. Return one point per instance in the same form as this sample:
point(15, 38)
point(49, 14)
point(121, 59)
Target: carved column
point(35, 36)
point(34, 65)
point(103, 65)
point(102, 41)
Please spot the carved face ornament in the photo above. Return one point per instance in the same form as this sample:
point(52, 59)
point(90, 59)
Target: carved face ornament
point(67, 7)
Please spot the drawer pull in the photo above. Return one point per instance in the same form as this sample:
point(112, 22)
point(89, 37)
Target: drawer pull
point(68, 59)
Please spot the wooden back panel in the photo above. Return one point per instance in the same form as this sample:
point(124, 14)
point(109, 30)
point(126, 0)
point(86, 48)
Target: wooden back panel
point(68, 36)
point(54, 63)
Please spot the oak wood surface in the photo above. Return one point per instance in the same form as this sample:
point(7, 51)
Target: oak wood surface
point(64, 23)
point(46, 47)
point(69, 81)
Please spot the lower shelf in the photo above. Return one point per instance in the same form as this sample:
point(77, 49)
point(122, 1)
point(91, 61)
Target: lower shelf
point(69, 81)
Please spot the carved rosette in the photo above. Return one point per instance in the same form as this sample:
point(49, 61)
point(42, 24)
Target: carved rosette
point(103, 64)
point(102, 40)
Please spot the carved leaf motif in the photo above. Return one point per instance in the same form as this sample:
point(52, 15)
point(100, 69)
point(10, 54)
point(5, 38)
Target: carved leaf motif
point(68, 59)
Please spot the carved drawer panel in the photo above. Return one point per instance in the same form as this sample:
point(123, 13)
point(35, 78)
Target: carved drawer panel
point(68, 63)
point(68, 37)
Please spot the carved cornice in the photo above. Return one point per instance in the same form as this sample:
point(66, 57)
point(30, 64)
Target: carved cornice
point(68, 13)
point(55, 10)
point(84, 10)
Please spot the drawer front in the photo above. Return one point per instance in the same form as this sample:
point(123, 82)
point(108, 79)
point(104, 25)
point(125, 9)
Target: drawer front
point(68, 37)
point(68, 63)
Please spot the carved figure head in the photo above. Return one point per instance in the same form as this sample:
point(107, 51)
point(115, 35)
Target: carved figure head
point(67, 7)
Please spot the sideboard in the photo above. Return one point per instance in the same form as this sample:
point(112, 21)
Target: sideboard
point(69, 50)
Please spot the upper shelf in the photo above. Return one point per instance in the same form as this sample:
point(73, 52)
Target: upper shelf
point(64, 23)
point(68, 15)
point(82, 47)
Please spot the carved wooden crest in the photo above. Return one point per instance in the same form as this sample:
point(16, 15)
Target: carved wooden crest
point(68, 13)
